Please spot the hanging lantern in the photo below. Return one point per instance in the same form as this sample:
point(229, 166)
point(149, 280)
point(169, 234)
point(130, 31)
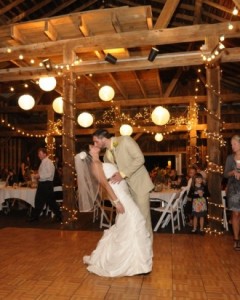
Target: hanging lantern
point(126, 129)
point(106, 93)
point(160, 115)
point(85, 119)
point(47, 84)
point(58, 105)
point(26, 102)
point(158, 137)
point(46, 140)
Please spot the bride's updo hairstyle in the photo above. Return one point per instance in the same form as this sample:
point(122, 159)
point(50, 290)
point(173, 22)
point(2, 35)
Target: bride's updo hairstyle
point(102, 133)
point(84, 153)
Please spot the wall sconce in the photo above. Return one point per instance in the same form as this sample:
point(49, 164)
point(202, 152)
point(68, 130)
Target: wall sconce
point(153, 53)
point(110, 58)
point(47, 64)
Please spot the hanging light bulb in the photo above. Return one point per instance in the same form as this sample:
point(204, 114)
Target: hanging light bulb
point(106, 93)
point(47, 84)
point(235, 11)
point(58, 105)
point(26, 102)
point(126, 129)
point(158, 137)
point(160, 115)
point(85, 119)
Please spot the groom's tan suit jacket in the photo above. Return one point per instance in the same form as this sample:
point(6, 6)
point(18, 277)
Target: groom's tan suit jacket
point(130, 161)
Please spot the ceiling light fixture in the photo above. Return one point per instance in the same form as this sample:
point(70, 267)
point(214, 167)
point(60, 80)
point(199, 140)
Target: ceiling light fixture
point(111, 59)
point(153, 53)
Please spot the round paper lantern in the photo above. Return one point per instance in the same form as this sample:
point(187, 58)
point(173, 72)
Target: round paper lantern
point(126, 129)
point(58, 105)
point(160, 115)
point(106, 93)
point(47, 84)
point(26, 102)
point(85, 119)
point(158, 137)
point(46, 140)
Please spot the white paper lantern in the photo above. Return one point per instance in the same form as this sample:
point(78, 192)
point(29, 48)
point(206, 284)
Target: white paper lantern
point(26, 102)
point(85, 119)
point(126, 129)
point(106, 93)
point(47, 84)
point(158, 137)
point(160, 115)
point(46, 140)
point(58, 105)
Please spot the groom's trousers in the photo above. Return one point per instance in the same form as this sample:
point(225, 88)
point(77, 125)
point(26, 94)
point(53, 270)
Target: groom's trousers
point(143, 203)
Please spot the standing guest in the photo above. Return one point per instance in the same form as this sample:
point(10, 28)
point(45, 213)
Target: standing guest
point(188, 207)
point(125, 153)
point(232, 172)
point(45, 194)
point(198, 193)
point(24, 173)
point(200, 169)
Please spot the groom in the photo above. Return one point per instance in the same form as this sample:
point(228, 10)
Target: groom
point(126, 154)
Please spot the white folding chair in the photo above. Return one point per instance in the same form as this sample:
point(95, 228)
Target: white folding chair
point(225, 221)
point(167, 212)
point(107, 210)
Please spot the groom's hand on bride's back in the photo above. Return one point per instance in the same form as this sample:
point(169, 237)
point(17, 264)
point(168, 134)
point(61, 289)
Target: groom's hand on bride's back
point(116, 178)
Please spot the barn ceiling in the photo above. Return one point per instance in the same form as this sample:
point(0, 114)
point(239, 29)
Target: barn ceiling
point(40, 30)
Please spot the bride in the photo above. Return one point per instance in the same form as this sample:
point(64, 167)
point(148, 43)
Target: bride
point(126, 248)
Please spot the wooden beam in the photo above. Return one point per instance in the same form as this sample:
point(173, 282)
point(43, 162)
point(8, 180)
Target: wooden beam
point(118, 86)
point(173, 83)
point(60, 7)
point(50, 31)
point(226, 98)
point(237, 3)
point(9, 6)
point(123, 40)
point(166, 14)
point(28, 11)
point(197, 11)
point(89, 131)
point(17, 36)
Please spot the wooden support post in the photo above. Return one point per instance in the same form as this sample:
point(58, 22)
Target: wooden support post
point(68, 142)
point(193, 120)
point(50, 142)
point(213, 145)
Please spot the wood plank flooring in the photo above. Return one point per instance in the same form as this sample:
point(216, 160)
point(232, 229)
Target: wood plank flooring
point(47, 264)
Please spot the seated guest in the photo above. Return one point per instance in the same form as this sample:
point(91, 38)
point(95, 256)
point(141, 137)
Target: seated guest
point(181, 181)
point(173, 177)
point(11, 178)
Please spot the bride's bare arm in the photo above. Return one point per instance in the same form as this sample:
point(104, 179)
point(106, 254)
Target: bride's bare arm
point(99, 174)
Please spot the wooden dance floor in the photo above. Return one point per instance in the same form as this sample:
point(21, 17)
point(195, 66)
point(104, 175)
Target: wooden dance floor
point(47, 264)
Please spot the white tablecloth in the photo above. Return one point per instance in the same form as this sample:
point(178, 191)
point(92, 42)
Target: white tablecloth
point(23, 193)
point(162, 196)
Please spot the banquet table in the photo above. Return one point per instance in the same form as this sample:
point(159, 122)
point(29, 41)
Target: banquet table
point(164, 195)
point(23, 193)
point(161, 197)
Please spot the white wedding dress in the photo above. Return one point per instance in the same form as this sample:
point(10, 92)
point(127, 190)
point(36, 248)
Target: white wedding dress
point(126, 248)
